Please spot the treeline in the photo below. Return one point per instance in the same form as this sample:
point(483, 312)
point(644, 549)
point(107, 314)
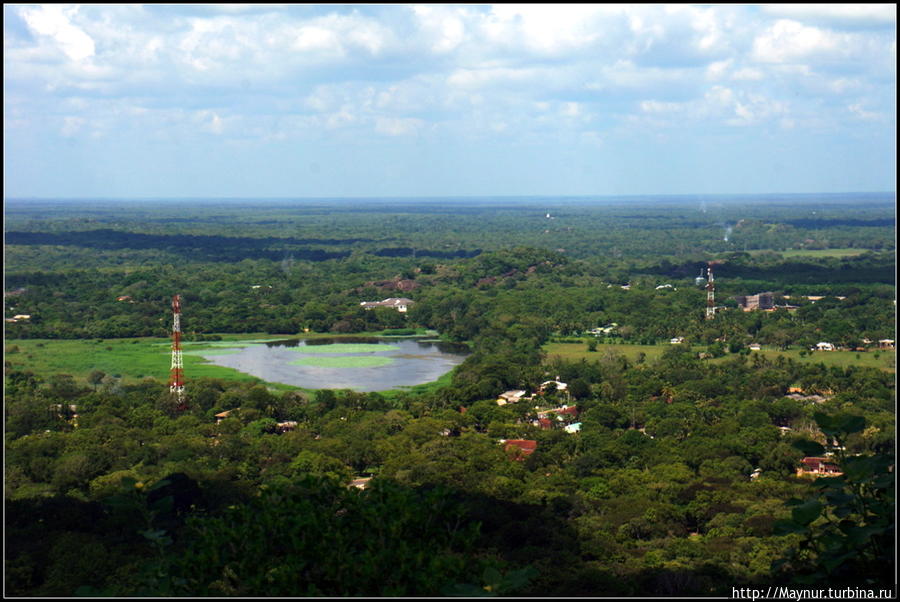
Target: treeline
point(460, 299)
point(221, 248)
point(639, 228)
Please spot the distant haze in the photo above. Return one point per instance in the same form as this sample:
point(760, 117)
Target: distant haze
point(300, 101)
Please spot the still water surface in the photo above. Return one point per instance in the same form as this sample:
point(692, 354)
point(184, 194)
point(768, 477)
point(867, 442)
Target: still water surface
point(406, 362)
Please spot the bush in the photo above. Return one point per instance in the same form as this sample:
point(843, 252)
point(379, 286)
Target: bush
point(319, 538)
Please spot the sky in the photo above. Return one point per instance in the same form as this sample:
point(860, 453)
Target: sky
point(260, 101)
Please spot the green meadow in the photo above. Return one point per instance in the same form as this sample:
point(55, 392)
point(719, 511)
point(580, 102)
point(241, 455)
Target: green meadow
point(578, 351)
point(883, 360)
point(791, 253)
point(129, 359)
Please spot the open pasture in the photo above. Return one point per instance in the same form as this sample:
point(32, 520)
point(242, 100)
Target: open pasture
point(883, 359)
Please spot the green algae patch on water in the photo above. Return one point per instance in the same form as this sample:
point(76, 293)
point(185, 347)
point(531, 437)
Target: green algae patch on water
point(343, 361)
point(204, 352)
point(344, 348)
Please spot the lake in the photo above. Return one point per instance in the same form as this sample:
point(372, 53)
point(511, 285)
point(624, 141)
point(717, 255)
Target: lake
point(358, 363)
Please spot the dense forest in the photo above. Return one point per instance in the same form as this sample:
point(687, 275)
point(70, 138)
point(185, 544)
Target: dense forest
point(681, 477)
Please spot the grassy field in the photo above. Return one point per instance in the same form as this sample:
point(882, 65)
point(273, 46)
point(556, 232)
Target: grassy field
point(577, 351)
point(129, 359)
point(885, 360)
point(790, 253)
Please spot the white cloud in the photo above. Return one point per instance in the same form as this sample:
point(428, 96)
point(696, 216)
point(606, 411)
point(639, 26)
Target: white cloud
point(858, 110)
point(393, 126)
point(719, 104)
point(52, 20)
point(549, 29)
point(655, 106)
point(446, 70)
point(71, 126)
point(748, 74)
point(850, 14)
point(717, 69)
point(787, 41)
point(443, 26)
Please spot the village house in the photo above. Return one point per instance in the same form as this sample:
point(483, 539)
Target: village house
point(560, 412)
point(755, 347)
point(360, 483)
point(222, 416)
point(812, 466)
point(514, 396)
point(401, 304)
point(520, 448)
point(564, 414)
point(823, 346)
point(886, 344)
point(608, 329)
point(812, 398)
point(676, 341)
point(560, 387)
point(19, 318)
point(283, 427)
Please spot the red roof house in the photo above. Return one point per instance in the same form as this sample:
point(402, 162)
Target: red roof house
point(818, 466)
point(521, 448)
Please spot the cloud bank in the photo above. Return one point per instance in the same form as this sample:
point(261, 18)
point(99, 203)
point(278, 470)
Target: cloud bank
point(434, 80)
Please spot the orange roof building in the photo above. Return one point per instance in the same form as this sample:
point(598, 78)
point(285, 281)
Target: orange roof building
point(521, 448)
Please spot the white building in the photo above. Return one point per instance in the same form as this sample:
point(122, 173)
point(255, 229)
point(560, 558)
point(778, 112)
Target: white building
point(510, 397)
point(401, 304)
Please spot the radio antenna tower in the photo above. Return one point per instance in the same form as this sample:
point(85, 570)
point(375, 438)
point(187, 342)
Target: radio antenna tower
point(710, 293)
point(176, 374)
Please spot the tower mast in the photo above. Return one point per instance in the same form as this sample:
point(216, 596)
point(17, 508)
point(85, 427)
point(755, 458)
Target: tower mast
point(710, 294)
point(176, 373)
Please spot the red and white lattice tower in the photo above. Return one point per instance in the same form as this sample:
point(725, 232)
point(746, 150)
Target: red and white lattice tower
point(710, 293)
point(176, 374)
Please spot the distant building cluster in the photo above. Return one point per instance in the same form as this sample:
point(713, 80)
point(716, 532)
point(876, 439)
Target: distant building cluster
point(563, 416)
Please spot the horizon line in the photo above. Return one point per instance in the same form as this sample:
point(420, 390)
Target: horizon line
point(441, 197)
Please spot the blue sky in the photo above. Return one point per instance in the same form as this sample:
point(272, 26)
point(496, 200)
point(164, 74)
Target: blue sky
point(441, 100)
